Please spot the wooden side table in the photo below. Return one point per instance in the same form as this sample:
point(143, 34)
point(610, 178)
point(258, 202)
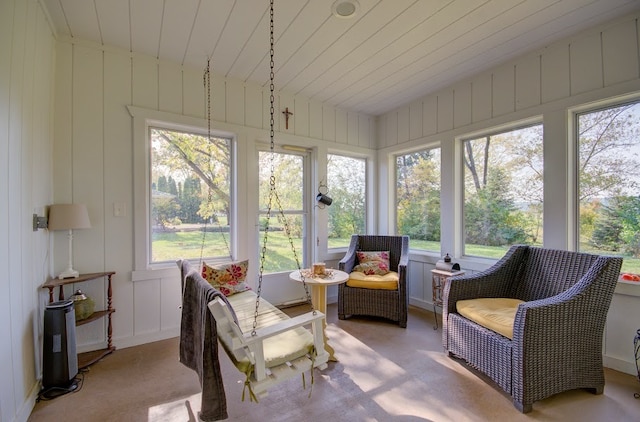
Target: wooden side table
point(88, 358)
point(319, 297)
point(438, 280)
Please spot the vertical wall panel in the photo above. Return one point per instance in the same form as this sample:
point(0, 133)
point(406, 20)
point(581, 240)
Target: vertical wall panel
point(170, 304)
point(341, 126)
point(380, 131)
point(301, 116)
point(253, 105)
point(9, 400)
point(528, 82)
point(315, 120)
point(218, 98)
point(145, 82)
point(430, 115)
point(481, 98)
point(118, 144)
point(503, 90)
point(170, 87)
point(445, 110)
point(329, 123)
point(235, 102)
point(62, 129)
point(16, 186)
point(391, 137)
point(365, 131)
point(462, 104)
point(586, 64)
point(146, 307)
point(87, 156)
point(352, 128)
point(403, 124)
point(620, 53)
point(193, 90)
point(415, 120)
point(555, 71)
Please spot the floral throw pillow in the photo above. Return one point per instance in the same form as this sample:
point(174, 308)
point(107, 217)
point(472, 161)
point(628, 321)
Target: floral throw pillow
point(372, 263)
point(229, 278)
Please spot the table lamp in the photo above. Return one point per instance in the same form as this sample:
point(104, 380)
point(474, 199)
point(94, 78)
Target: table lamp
point(68, 217)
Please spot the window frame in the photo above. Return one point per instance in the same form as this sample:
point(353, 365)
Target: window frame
point(366, 160)
point(308, 228)
point(393, 199)
point(573, 234)
point(460, 152)
point(143, 121)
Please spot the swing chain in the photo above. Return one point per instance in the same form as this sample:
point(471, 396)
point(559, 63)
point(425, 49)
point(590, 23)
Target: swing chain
point(206, 79)
point(272, 181)
point(272, 186)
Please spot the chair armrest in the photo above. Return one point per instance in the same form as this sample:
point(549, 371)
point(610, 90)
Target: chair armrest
point(347, 262)
point(582, 307)
point(283, 326)
point(496, 281)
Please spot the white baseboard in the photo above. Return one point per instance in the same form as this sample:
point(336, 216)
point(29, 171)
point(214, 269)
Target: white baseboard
point(123, 343)
point(27, 406)
point(620, 365)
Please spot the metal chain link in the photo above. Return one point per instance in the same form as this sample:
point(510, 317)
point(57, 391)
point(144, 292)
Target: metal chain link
point(272, 186)
point(206, 79)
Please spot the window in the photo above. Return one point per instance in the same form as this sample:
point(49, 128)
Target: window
point(418, 198)
point(190, 200)
point(346, 181)
point(290, 195)
point(609, 183)
point(503, 191)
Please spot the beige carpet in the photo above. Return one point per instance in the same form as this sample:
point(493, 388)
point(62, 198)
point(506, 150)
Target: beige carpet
point(384, 373)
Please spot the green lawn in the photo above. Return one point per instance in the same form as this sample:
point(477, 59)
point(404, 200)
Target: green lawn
point(279, 257)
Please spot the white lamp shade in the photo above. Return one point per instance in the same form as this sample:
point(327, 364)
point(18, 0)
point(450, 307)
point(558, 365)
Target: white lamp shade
point(68, 217)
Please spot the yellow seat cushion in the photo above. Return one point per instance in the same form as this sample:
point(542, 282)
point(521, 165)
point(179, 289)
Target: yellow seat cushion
point(389, 281)
point(496, 314)
point(278, 349)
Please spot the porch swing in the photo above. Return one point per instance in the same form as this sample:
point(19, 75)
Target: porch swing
point(265, 344)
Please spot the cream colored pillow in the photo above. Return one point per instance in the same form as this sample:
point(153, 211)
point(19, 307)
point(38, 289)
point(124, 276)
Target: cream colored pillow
point(496, 314)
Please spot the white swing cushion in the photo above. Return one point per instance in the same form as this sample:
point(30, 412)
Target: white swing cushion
point(284, 347)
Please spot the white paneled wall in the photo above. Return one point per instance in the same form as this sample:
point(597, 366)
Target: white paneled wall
point(595, 66)
point(26, 82)
point(95, 165)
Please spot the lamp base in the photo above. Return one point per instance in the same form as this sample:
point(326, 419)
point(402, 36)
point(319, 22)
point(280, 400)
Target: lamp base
point(69, 273)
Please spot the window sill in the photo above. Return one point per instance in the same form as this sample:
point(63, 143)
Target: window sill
point(628, 288)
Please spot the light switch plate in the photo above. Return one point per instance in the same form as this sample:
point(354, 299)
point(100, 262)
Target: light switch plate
point(119, 209)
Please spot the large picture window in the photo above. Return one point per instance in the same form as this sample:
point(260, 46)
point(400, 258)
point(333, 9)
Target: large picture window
point(418, 198)
point(190, 202)
point(346, 180)
point(503, 194)
point(609, 183)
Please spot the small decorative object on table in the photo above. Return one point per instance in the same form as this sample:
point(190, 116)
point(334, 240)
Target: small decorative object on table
point(319, 268)
point(84, 306)
point(318, 273)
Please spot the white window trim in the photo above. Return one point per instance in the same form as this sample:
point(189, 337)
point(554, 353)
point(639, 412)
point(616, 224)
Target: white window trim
point(143, 119)
point(460, 250)
point(367, 188)
point(393, 198)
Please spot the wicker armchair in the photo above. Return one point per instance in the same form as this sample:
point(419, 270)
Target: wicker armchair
point(390, 304)
point(557, 332)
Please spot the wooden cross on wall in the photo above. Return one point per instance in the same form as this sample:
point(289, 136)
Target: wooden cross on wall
point(287, 113)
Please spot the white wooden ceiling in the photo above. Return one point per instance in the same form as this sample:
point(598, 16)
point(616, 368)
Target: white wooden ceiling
point(390, 53)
